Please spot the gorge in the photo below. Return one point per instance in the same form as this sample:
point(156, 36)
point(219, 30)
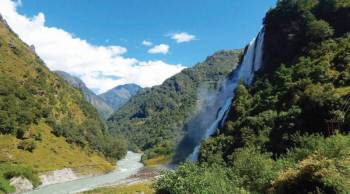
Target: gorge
point(251, 62)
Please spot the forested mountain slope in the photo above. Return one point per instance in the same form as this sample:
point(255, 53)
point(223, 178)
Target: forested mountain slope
point(288, 131)
point(101, 106)
point(118, 96)
point(155, 117)
point(45, 124)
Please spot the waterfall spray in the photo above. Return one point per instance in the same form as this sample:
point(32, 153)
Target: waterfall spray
point(252, 62)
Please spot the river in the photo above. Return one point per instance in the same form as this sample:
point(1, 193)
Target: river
point(126, 167)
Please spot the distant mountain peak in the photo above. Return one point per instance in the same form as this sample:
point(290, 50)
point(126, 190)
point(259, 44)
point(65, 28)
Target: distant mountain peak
point(119, 95)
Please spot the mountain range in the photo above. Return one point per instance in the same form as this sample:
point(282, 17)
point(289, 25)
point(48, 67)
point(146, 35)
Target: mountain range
point(107, 102)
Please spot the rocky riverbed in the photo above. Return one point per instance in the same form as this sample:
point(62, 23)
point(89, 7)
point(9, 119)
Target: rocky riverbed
point(65, 181)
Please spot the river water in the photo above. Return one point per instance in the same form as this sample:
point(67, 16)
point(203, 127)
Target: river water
point(126, 167)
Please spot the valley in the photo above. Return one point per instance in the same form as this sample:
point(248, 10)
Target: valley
point(270, 118)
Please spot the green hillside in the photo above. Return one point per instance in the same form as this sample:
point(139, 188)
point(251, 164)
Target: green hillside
point(155, 117)
point(101, 106)
point(279, 136)
point(45, 124)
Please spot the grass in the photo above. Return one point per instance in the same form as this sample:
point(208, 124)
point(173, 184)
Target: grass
point(8, 171)
point(52, 153)
point(58, 99)
point(145, 188)
point(159, 160)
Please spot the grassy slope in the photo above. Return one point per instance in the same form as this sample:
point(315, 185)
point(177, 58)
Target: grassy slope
point(159, 160)
point(145, 188)
point(22, 66)
point(52, 153)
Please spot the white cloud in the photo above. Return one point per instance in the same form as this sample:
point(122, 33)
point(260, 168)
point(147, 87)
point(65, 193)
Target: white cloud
point(147, 43)
point(182, 37)
point(161, 48)
point(100, 67)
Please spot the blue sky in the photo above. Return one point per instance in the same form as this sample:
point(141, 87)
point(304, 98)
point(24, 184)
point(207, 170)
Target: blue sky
point(115, 29)
point(217, 24)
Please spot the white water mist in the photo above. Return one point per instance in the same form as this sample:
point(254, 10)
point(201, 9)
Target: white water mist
point(252, 62)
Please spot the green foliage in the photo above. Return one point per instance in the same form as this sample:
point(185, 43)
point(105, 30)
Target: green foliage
point(30, 93)
point(298, 98)
point(275, 139)
point(214, 150)
point(164, 148)
point(8, 171)
point(314, 175)
point(294, 24)
point(252, 169)
point(316, 165)
point(115, 147)
point(319, 30)
point(190, 178)
point(18, 108)
point(27, 144)
point(158, 114)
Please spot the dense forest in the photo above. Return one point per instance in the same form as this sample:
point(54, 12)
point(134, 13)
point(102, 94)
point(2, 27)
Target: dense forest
point(37, 110)
point(288, 131)
point(154, 119)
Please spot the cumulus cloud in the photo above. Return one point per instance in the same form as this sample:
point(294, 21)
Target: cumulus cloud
point(182, 37)
point(100, 67)
point(147, 43)
point(161, 48)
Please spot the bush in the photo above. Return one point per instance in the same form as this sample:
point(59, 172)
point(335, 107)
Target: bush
point(252, 169)
point(190, 178)
point(316, 174)
point(319, 30)
point(115, 147)
point(27, 145)
point(162, 149)
point(8, 171)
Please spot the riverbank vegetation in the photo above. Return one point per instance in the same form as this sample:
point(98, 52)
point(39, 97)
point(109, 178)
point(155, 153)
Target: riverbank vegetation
point(8, 171)
point(143, 187)
point(288, 131)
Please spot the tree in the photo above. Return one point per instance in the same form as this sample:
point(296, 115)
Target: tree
point(319, 30)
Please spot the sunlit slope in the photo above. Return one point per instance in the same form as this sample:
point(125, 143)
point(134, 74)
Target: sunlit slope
point(44, 122)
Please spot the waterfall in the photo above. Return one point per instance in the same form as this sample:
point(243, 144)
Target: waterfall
point(252, 62)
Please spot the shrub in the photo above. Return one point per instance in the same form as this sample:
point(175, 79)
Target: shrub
point(319, 30)
point(252, 169)
point(27, 145)
point(190, 178)
point(8, 171)
point(116, 147)
point(316, 174)
point(162, 149)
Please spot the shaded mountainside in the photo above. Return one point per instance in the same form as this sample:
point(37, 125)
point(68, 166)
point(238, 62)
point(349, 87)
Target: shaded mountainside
point(45, 124)
point(155, 117)
point(118, 96)
point(289, 131)
point(104, 109)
